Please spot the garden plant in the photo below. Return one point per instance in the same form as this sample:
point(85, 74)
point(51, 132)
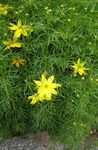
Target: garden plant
point(49, 69)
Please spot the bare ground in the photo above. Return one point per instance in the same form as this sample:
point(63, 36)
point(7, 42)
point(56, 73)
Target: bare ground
point(40, 141)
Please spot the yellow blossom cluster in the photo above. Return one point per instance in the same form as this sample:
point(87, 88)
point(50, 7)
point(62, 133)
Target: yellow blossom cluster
point(45, 89)
point(19, 29)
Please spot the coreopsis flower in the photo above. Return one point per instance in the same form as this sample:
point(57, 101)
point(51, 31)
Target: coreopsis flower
point(45, 89)
point(79, 67)
point(4, 9)
point(12, 44)
point(19, 29)
point(18, 61)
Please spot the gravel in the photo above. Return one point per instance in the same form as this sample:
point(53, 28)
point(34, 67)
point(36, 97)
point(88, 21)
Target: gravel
point(40, 141)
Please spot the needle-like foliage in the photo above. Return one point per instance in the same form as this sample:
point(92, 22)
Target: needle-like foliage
point(61, 32)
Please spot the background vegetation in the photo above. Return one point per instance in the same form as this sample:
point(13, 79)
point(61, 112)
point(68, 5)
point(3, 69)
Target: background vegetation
point(67, 32)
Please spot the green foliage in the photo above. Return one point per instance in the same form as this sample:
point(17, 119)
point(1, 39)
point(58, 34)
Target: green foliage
point(68, 32)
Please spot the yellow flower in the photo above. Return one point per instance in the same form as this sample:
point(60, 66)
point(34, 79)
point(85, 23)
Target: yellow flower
point(79, 67)
point(46, 88)
point(11, 44)
point(4, 9)
point(19, 29)
point(17, 61)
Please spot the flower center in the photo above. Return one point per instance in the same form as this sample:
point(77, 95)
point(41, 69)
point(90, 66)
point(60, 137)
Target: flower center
point(46, 86)
point(19, 27)
point(79, 66)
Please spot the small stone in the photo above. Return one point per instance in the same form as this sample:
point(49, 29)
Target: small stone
point(42, 138)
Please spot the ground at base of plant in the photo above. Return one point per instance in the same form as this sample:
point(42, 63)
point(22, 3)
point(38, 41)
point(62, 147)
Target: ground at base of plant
point(39, 141)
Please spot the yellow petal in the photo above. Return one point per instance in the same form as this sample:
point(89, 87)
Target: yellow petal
point(54, 85)
point(24, 32)
point(82, 64)
point(30, 97)
point(74, 66)
point(19, 22)
point(34, 98)
point(16, 44)
point(78, 61)
point(53, 91)
point(51, 78)
point(48, 95)
point(81, 71)
point(13, 27)
point(38, 83)
point(33, 101)
point(43, 78)
point(22, 61)
point(17, 34)
point(7, 44)
point(17, 64)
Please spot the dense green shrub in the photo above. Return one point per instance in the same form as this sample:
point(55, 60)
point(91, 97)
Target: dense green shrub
point(62, 32)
